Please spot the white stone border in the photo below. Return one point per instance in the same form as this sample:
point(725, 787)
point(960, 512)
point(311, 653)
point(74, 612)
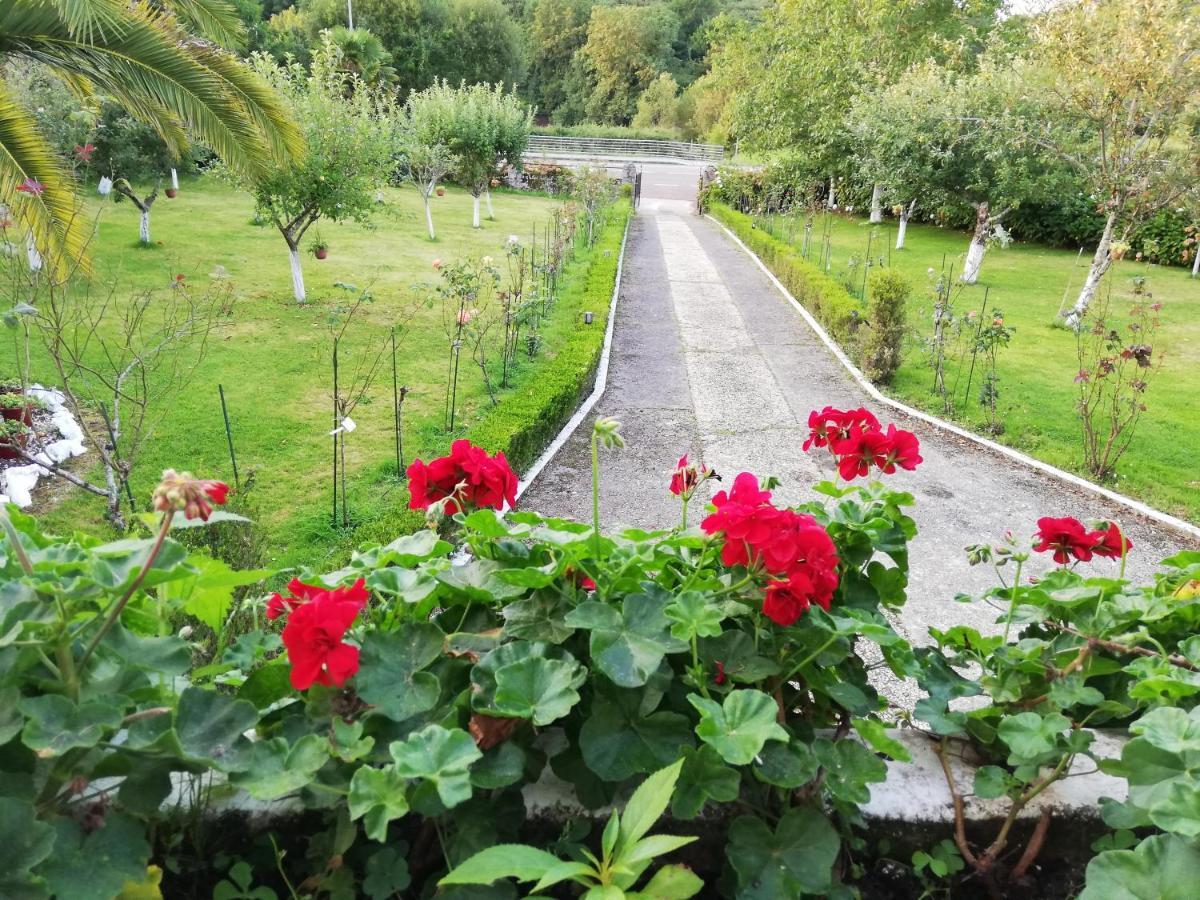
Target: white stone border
point(601, 377)
point(18, 482)
point(1074, 480)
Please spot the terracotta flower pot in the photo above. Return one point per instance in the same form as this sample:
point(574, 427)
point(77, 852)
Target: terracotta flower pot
point(172, 193)
point(11, 450)
point(441, 192)
point(320, 253)
point(18, 413)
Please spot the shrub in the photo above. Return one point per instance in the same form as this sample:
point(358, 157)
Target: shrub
point(884, 343)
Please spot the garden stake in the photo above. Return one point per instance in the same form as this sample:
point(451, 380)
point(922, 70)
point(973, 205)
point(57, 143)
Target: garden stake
point(975, 346)
point(237, 484)
point(396, 409)
point(333, 521)
point(866, 264)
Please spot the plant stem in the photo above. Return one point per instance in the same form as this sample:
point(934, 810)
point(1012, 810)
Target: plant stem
point(1012, 601)
point(596, 493)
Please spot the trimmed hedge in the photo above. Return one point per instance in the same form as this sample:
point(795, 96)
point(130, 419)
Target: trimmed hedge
point(821, 295)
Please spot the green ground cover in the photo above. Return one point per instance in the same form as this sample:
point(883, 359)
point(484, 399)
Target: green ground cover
point(274, 357)
point(1037, 390)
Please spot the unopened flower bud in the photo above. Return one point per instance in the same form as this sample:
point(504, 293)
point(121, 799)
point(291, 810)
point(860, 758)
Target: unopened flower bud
point(183, 492)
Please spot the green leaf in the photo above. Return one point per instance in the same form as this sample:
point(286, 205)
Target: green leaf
point(1162, 867)
point(876, 736)
point(1071, 691)
point(739, 727)
point(1177, 809)
point(499, 767)
point(517, 861)
point(651, 848)
point(266, 686)
point(387, 873)
point(1030, 736)
point(478, 581)
point(670, 883)
point(791, 765)
point(564, 871)
point(849, 768)
point(705, 777)
point(208, 594)
point(389, 674)
point(168, 655)
point(693, 614)
point(24, 840)
point(347, 740)
point(628, 646)
point(407, 585)
point(11, 720)
point(1171, 729)
point(210, 727)
point(542, 690)
point(379, 796)
point(646, 806)
point(273, 769)
point(796, 858)
point(618, 741)
point(991, 782)
point(96, 866)
point(440, 757)
point(55, 725)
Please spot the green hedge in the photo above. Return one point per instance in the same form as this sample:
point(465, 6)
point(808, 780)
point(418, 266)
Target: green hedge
point(608, 131)
point(821, 295)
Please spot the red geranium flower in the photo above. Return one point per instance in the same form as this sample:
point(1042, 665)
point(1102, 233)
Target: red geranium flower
point(831, 425)
point(719, 677)
point(687, 477)
point(84, 152)
point(1066, 537)
point(181, 491)
point(300, 593)
point(467, 476)
point(786, 601)
point(903, 450)
point(745, 516)
point(860, 451)
point(1110, 542)
point(314, 632)
point(31, 186)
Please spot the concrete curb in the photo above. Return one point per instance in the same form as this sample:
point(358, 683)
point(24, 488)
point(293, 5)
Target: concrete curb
point(601, 377)
point(1129, 503)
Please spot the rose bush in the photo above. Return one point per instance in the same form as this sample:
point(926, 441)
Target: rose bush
point(401, 703)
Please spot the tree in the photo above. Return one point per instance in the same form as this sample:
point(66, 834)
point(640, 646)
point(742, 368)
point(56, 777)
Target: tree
point(558, 30)
point(1119, 82)
point(349, 127)
point(426, 162)
point(363, 55)
point(658, 106)
point(161, 64)
point(627, 46)
point(483, 44)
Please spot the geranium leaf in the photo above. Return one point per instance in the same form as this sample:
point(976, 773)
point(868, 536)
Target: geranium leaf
point(875, 734)
point(96, 866)
point(478, 581)
point(789, 765)
point(704, 777)
point(499, 767)
point(379, 796)
point(273, 769)
point(24, 841)
point(389, 674)
point(795, 859)
point(210, 727)
point(55, 725)
point(618, 741)
point(991, 782)
point(387, 873)
point(694, 614)
point(409, 585)
point(541, 690)
point(1031, 736)
point(628, 646)
point(440, 757)
point(1164, 867)
point(849, 768)
point(740, 726)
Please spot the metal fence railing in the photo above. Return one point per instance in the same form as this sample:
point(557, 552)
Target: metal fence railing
point(553, 145)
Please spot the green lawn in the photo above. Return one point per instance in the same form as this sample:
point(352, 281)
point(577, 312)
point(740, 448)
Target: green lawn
point(274, 357)
point(1037, 390)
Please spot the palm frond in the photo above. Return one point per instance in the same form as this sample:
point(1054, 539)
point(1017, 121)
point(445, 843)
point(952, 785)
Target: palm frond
point(48, 212)
point(216, 20)
point(89, 19)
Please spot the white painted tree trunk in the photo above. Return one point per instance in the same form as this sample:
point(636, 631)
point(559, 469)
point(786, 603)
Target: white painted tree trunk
point(174, 179)
point(429, 219)
point(983, 222)
point(297, 275)
point(1196, 262)
point(905, 214)
point(488, 195)
point(1100, 263)
point(144, 227)
point(832, 201)
point(475, 221)
point(876, 204)
point(32, 255)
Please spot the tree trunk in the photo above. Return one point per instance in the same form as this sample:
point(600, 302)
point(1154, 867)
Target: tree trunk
point(1100, 263)
point(876, 204)
point(174, 180)
point(429, 219)
point(983, 222)
point(297, 274)
point(32, 254)
point(902, 230)
point(144, 227)
point(1196, 259)
point(475, 220)
point(832, 201)
point(488, 195)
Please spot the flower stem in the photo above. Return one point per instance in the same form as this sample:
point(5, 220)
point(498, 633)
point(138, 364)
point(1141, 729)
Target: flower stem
point(596, 493)
point(685, 506)
point(1012, 601)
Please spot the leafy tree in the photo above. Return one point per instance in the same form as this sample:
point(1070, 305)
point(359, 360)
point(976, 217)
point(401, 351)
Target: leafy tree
point(627, 46)
point(363, 55)
point(349, 128)
point(658, 106)
point(558, 29)
point(1119, 83)
point(483, 44)
point(160, 63)
point(426, 162)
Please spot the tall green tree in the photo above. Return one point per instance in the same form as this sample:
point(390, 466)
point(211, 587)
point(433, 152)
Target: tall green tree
point(627, 46)
point(558, 29)
point(160, 62)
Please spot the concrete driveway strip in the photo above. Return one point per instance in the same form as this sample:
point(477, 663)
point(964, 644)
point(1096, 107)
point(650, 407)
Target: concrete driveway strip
point(709, 358)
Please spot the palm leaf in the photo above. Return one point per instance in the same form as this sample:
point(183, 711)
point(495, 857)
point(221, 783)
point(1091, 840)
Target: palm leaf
point(216, 20)
point(50, 216)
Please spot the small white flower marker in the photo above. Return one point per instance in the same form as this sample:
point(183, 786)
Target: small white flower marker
point(347, 426)
point(105, 187)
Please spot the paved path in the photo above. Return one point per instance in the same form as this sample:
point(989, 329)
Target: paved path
point(709, 358)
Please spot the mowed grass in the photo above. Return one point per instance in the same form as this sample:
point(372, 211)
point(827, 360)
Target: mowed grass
point(1037, 390)
point(273, 357)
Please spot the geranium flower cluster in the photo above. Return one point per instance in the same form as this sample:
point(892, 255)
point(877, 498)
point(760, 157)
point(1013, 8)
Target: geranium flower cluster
point(858, 442)
point(790, 546)
point(194, 497)
point(688, 476)
point(314, 636)
point(467, 477)
point(1068, 538)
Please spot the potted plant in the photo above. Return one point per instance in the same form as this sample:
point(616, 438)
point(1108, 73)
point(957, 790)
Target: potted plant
point(18, 407)
point(319, 248)
point(172, 193)
point(13, 436)
point(441, 192)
